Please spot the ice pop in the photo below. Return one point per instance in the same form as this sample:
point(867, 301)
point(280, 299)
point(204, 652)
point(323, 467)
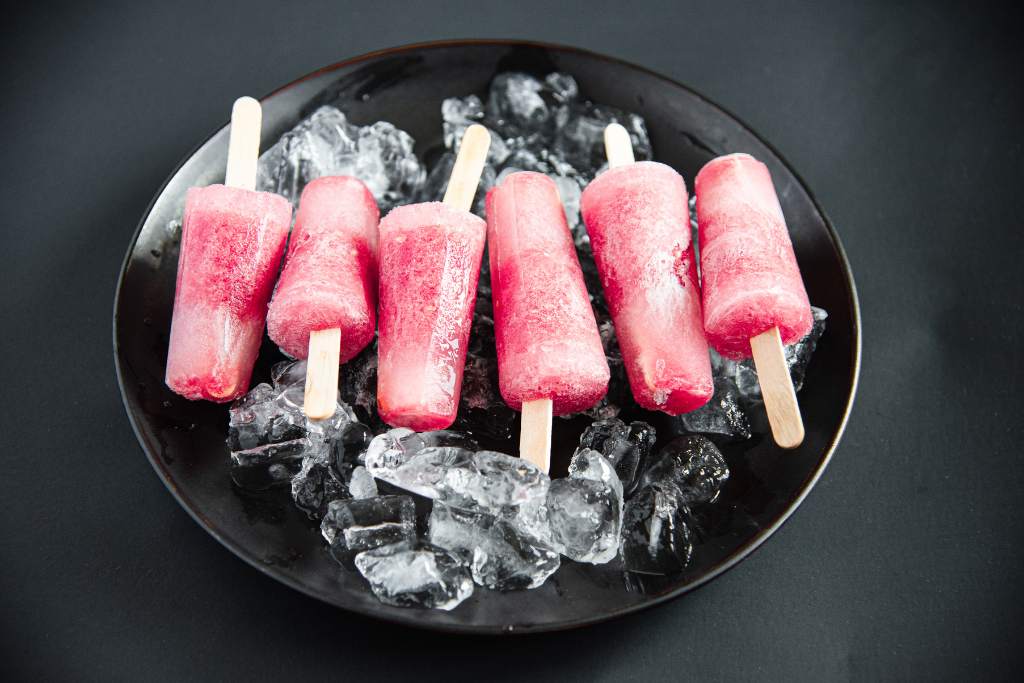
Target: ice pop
point(429, 266)
point(637, 218)
point(754, 297)
point(549, 349)
point(232, 240)
point(325, 305)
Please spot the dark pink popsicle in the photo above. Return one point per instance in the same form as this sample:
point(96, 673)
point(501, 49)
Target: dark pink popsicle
point(329, 278)
point(750, 278)
point(638, 223)
point(546, 334)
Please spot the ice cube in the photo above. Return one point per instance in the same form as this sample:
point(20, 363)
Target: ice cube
point(722, 416)
point(355, 525)
point(389, 451)
point(586, 518)
point(316, 485)
point(415, 575)
point(436, 183)
point(587, 463)
point(359, 384)
point(563, 87)
point(655, 536)
point(494, 481)
point(362, 484)
point(691, 464)
point(515, 103)
point(499, 557)
point(268, 466)
point(627, 447)
point(258, 419)
point(326, 144)
point(423, 472)
point(798, 355)
point(288, 373)
point(580, 141)
point(348, 446)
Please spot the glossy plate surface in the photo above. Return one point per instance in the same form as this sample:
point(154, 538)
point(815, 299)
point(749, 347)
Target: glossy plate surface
point(185, 440)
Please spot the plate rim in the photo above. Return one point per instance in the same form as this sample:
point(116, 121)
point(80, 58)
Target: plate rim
point(743, 552)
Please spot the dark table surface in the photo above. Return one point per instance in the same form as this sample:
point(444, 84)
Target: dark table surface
point(904, 562)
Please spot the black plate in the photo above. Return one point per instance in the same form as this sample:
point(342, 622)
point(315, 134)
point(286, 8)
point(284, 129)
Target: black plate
point(185, 440)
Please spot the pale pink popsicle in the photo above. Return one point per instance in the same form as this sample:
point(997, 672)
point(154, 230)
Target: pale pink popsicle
point(546, 334)
point(750, 277)
point(232, 241)
point(429, 263)
point(639, 229)
point(329, 278)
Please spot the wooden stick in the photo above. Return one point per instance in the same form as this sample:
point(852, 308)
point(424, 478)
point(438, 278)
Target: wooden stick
point(777, 389)
point(535, 433)
point(321, 397)
point(244, 143)
point(469, 164)
point(618, 146)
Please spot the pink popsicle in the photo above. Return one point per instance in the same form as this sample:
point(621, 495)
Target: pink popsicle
point(546, 334)
point(329, 278)
point(750, 277)
point(638, 223)
point(430, 263)
point(232, 240)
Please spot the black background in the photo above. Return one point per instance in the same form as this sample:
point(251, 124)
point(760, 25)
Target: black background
point(903, 563)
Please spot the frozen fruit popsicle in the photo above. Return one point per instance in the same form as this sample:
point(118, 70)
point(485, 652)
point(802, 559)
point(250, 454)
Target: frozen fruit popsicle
point(232, 240)
point(325, 305)
point(550, 357)
point(637, 218)
point(429, 266)
point(754, 297)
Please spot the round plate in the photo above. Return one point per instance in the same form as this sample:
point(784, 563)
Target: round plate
point(185, 440)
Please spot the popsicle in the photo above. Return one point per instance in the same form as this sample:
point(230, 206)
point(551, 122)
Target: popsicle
point(754, 297)
point(325, 306)
point(550, 358)
point(232, 240)
point(429, 266)
point(637, 218)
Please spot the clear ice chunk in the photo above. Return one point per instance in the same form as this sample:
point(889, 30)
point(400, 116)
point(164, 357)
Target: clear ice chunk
point(655, 536)
point(356, 525)
point(516, 104)
point(393, 449)
point(722, 416)
point(316, 485)
point(495, 481)
point(362, 484)
point(587, 463)
point(585, 510)
point(265, 467)
point(415, 575)
point(580, 141)
point(586, 518)
point(327, 143)
point(627, 447)
point(259, 418)
point(500, 558)
point(692, 466)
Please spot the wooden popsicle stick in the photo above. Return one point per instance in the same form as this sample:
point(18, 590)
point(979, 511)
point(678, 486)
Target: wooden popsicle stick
point(777, 389)
point(244, 143)
point(469, 164)
point(535, 433)
point(618, 146)
point(321, 398)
